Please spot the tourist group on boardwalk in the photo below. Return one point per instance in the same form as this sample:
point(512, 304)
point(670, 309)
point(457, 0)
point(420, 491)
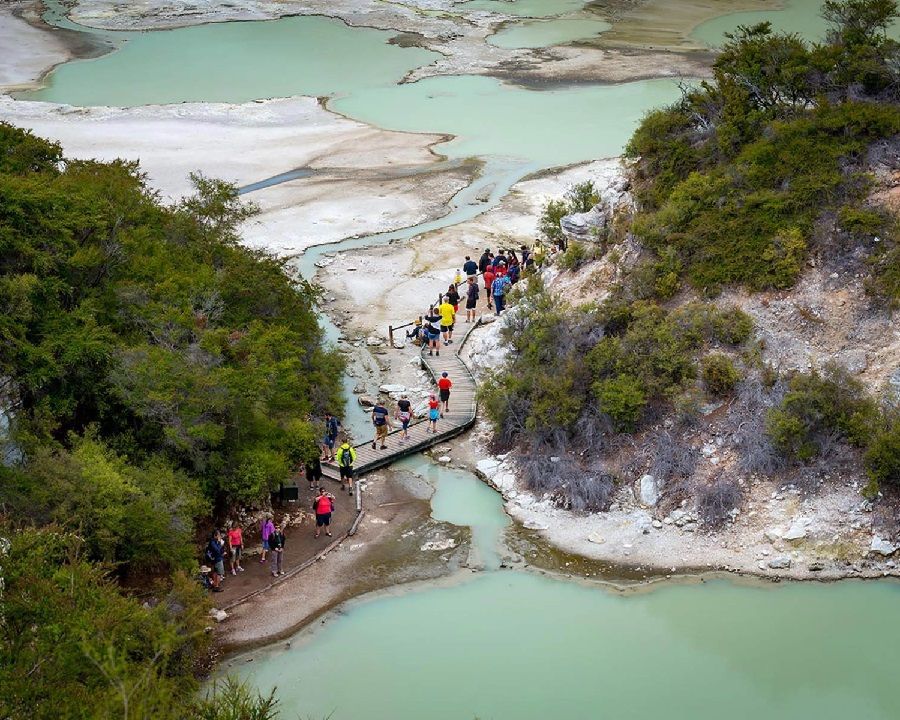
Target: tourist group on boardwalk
point(434, 330)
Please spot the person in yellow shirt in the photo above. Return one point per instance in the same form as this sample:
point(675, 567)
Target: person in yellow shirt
point(448, 319)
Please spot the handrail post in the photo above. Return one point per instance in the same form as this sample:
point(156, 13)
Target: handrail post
point(391, 334)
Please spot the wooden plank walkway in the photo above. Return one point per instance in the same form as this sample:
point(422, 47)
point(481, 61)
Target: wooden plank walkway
point(463, 408)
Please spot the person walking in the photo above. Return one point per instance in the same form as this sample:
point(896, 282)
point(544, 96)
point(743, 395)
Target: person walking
point(471, 299)
point(313, 473)
point(346, 456)
point(432, 331)
point(444, 385)
point(498, 290)
point(448, 317)
point(453, 297)
point(323, 506)
point(470, 267)
point(331, 432)
point(484, 260)
point(488, 280)
point(236, 547)
point(276, 543)
point(266, 528)
point(215, 554)
point(434, 412)
point(404, 415)
point(381, 423)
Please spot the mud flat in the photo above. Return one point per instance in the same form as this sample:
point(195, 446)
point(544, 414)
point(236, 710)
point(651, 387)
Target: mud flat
point(363, 179)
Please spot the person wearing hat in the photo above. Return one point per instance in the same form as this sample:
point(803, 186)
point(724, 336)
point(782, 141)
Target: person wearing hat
point(416, 333)
point(444, 385)
point(346, 456)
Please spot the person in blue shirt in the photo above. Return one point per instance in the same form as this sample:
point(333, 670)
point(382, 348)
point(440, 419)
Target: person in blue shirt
point(470, 267)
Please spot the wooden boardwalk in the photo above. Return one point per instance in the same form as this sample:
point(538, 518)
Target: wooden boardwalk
point(463, 407)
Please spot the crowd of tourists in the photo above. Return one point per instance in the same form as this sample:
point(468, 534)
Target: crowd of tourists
point(499, 272)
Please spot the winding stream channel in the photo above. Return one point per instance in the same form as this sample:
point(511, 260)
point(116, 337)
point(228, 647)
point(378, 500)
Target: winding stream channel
point(497, 642)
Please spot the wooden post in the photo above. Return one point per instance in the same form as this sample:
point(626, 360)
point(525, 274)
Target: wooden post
point(391, 334)
point(358, 498)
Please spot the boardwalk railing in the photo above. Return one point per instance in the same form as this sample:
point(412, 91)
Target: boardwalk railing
point(461, 415)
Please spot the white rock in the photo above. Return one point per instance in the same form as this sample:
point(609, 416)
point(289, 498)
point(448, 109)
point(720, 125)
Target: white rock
point(374, 341)
point(445, 544)
point(881, 546)
point(392, 388)
point(596, 538)
point(398, 344)
point(488, 467)
point(797, 530)
point(218, 615)
point(782, 562)
point(505, 481)
point(535, 525)
point(444, 459)
point(657, 524)
point(773, 534)
point(648, 492)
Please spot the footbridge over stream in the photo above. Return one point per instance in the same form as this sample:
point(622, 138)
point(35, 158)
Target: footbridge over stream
point(463, 408)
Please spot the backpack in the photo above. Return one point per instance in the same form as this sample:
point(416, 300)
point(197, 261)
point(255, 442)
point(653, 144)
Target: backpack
point(379, 415)
point(332, 427)
point(346, 457)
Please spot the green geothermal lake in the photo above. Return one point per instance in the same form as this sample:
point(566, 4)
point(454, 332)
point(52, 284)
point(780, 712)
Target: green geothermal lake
point(798, 16)
point(511, 645)
point(235, 62)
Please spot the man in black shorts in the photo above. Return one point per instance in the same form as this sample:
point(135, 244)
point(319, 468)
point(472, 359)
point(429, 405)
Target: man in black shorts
point(471, 299)
point(346, 456)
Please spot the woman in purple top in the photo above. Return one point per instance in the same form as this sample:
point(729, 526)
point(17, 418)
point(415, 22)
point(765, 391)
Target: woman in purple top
point(266, 528)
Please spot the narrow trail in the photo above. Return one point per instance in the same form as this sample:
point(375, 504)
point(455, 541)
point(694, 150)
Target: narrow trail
point(463, 408)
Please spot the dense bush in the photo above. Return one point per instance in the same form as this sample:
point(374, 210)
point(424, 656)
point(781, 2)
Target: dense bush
point(735, 175)
point(151, 327)
point(818, 405)
point(618, 360)
point(719, 374)
point(716, 500)
point(580, 197)
point(882, 458)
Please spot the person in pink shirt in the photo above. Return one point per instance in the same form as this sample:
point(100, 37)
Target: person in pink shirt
point(236, 545)
point(266, 528)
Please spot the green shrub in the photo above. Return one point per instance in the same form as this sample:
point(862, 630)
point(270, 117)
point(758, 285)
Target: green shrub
point(548, 223)
point(574, 257)
point(719, 374)
point(622, 398)
point(581, 197)
point(818, 405)
point(882, 458)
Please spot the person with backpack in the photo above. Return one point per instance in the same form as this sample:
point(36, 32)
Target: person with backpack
point(444, 385)
point(215, 555)
point(323, 506)
point(380, 421)
point(498, 289)
point(471, 299)
point(453, 297)
point(236, 547)
point(276, 544)
point(404, 415)
point(346, 456)
point(432, 332)
point(331, 432)
point(489, 276)
point(470, 267)
point(266, 528)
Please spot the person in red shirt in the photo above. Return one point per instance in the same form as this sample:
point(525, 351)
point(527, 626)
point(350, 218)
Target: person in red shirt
point(488, 276)
point(434, 410)
point(323, 506)
point(444, 385)
point(236, 545)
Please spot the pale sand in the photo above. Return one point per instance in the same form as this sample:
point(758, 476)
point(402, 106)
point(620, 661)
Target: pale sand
point(354, 189)
point(26, 53)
